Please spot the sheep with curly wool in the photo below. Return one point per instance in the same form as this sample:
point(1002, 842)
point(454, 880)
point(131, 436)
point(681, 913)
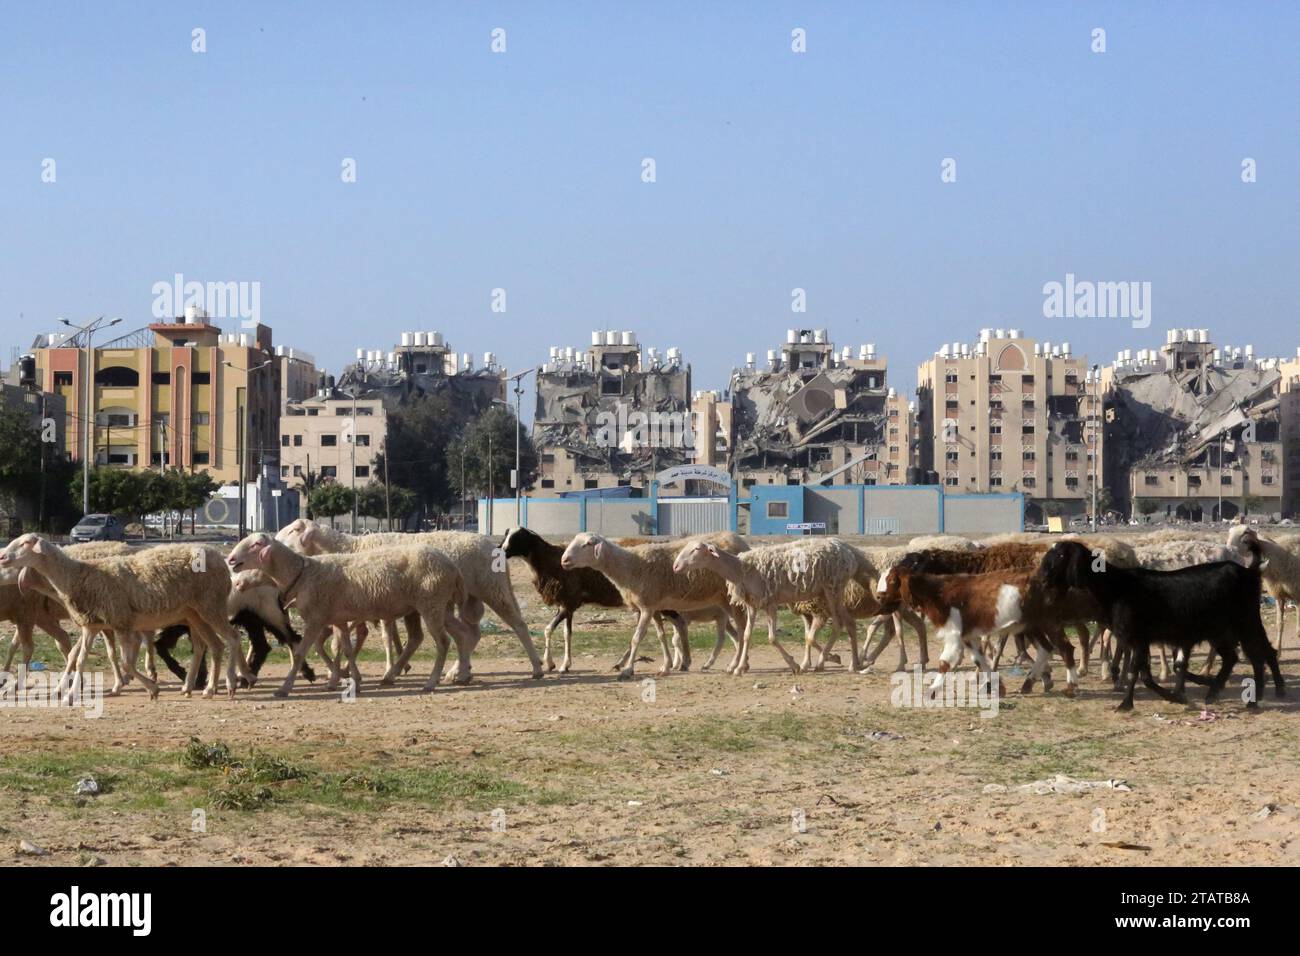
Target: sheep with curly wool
point(645, 580)
point(764, 578)
point(482, 564)
point(384, 584)
point(138, 593)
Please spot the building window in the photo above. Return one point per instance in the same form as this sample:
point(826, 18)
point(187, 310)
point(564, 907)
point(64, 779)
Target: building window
point(1150, 480)
point(589, 483)
point(1027, 455)
point(1072, 483)
point(162, 378)
point(363, 471)
point(363, 441)
point(952, 455)
point(548, 483)
point(1026, 429)
point(329, 441)
point(950, 378)
point(200, 458)
point(62, 378)
point(284, 471)
point(1225, 479)
point(1194, 481)
point(995, 456)
point(1028, 481)
point(284, 441)
point(995, 482)
point(951, 481)
point(297, 441)
point(329, 471)
point(201, 378)
point(201, 418)
point(1266, 479)
point(313, 411)
point(297, 471)
point(995, 428)
point(778, 509)
point(548, 458)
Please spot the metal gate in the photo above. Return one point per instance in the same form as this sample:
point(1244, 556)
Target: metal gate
point(686, 516)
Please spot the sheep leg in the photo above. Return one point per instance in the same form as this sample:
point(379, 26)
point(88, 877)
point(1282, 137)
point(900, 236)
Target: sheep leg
point(1281, 621)
point(349, 650)
point(568, 643)
point(1229, 656)
point(434, 624)
point(811, 625)
point(1164, 663)
point(663, 643)
point(414, 638)
point(71, 668)
point(889, 635)
point(742, 653)
point(1085, 644)
point(546, 639)
point(509, 613)
point(681, 644)
point(471, 615)
point(22, 637)
point(111, 652)
point(313, 635)
point(723, 625)
point(131, 648)
point(643, 619)
point(776, 641)
point(985, 665)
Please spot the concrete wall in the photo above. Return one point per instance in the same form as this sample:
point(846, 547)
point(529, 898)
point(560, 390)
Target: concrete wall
point(838, 507)
point(966, 514)
point(917, 509)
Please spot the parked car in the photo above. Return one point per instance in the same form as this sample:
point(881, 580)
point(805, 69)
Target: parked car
point(98, 528)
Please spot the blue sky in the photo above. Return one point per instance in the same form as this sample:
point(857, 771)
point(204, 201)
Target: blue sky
point(775, 170)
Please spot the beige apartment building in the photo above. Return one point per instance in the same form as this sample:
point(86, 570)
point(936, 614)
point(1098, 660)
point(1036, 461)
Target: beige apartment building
point(1289, 410)
point(178, 393)
point(320, 435)
point(1010, 414)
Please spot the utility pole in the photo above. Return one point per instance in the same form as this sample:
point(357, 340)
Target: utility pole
point(388, 504)
point(88, 386)
point(352, 440)
point(519, 426)
point(462, 485)
point(1220, 512)
point(489, 484)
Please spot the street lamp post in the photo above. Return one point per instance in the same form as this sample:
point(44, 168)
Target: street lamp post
point(246, 421)
point(1095, 376)
point(89, 330)
point(352, 440)
point(519, 477)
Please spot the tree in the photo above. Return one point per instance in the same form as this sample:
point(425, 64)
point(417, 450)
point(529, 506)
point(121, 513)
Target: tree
point(402, 502)
point(20, 465)
point(416, 448)
point(1147, 505)
point(308, 482)
point(330, 499)
point(498, 423)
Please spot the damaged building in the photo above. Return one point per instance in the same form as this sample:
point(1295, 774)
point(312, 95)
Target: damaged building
point(423, 364)
point(610, 417)
point(812, 416)
point(1196, 429)
point(1012, 414)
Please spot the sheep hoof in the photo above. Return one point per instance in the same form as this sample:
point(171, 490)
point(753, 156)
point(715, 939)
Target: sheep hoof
point(1124, 705)
point(564, 668)
point(549, 665)
point(281, 692)
point(626, 674)
point(1070, 690)
point(1028, 686)
point(427, 688)
point(538, 674)
point(833, 658)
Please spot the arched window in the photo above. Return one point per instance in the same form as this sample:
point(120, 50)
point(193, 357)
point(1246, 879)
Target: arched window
point(1011, 359)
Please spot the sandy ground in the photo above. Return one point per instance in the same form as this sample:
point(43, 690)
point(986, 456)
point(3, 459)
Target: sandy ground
point(715, 769)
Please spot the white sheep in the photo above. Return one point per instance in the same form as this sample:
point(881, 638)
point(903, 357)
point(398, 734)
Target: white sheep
point(1280, 567)
point(764, 578)
point(644, 577)
point(481, 562)
point(334, 590)
point(139, 593)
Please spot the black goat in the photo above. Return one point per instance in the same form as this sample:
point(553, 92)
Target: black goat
point(259, 647)
point(1216, 603)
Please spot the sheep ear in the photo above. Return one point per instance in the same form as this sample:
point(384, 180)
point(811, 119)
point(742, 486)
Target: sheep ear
point(36, 547)
point(24, 577)
point(713, 549)
point(308, 532)
point(600, 546)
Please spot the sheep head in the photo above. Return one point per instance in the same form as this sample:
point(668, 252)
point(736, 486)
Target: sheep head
point(518, 542)
point(1066, 565)
point(584, 551)
point(892, 589)
point(290, 531)
point(251, 553)
point(694, 555)
point(22, 551)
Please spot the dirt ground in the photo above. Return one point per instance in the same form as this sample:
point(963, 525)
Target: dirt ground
point(707, 769)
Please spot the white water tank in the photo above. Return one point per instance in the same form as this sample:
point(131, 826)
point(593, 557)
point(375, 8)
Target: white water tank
point(489, 359)
point(749, 359)
point(1015, 334)
point(467, 362)
point(791, 337)
point(629, 338)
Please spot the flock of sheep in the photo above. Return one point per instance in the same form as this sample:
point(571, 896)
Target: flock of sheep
point(1169, 591)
